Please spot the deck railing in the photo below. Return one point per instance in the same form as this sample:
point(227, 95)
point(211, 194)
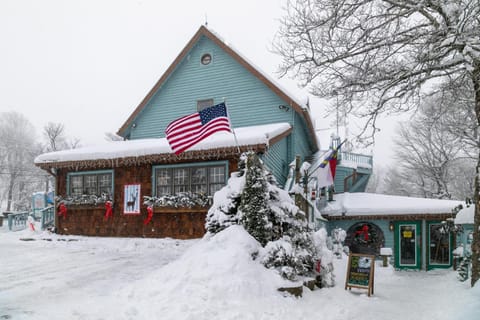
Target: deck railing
point(17, 220)
point(47, 217)
point(356, 158)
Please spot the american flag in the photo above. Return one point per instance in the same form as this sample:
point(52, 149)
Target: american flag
point(189, 130)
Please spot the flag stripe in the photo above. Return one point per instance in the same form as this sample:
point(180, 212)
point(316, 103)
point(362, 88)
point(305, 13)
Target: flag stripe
point(205, 135)
point(189, 130)
point(182, 121)
point(192, 135)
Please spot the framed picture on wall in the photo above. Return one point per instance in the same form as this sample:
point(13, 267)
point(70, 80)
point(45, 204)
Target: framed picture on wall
point(131, 199)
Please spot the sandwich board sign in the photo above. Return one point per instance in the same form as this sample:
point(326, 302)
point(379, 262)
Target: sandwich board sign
point(360, 272)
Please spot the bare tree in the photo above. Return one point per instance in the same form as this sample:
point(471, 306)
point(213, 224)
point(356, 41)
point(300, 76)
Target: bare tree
point(54, 133)
point(18, 149)
point(431, 157)
point(378, 55)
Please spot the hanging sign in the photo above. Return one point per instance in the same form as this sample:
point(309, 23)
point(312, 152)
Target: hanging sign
point(131, 199)
point(360, 272)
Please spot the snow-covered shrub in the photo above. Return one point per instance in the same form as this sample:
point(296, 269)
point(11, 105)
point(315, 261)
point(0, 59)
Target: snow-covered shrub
point(325, 255)
point(253, 199)
point(337, 237)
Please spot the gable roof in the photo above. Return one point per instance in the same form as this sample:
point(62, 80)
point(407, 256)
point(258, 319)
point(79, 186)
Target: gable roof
point(203, 31)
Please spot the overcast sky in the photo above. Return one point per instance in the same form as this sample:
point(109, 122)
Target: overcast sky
point(89, 63)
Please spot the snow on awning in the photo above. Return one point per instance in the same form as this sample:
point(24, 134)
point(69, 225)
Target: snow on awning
point(371, 204)
point(466, 215)
point(149, 150)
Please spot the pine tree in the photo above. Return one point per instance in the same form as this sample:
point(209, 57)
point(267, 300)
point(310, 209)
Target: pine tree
point(254, 209)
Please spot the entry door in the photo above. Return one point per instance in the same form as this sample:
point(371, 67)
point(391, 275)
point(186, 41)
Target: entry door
point(439, 246)
point(408, 241)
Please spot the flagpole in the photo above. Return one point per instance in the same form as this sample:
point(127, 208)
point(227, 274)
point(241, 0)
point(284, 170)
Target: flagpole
point(230, 120)
point(335, 149)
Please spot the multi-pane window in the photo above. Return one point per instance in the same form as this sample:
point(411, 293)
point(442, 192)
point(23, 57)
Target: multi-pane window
point(91, 184)
point(206, 180)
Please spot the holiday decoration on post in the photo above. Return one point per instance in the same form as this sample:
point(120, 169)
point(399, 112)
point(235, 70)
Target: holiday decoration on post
point(31, 223)
point(62, 210)
point(108, 210)
point(149, 215)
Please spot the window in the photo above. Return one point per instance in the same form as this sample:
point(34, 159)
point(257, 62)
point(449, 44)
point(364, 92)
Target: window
point(195, 179)
point(203, 104)
point(206, 59)
point(91, 183)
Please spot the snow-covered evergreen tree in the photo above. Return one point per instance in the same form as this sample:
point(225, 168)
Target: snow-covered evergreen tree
point(253, 199)
point(254, 210)
point(224, 211)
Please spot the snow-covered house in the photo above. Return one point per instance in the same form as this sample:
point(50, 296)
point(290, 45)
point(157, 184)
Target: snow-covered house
point(411, 227)
point(207, 71)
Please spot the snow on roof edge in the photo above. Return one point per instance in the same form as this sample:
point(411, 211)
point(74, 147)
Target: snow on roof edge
point(141, 147)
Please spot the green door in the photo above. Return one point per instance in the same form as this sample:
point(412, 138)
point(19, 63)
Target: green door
point(408, 250)
point(439, 253)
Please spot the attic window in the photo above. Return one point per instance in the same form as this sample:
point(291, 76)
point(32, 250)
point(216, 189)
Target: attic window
point(206, 59)
point(202, 104)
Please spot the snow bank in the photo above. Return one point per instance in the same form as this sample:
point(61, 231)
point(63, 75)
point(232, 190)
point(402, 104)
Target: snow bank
point(217, 273)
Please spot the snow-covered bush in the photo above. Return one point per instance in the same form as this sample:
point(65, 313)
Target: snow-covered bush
point(253, 199)
point(325, 255)
point(337, 239)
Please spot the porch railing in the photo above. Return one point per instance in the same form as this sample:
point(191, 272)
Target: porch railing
point(47, 217)
point(356, 158)
point(17, 220)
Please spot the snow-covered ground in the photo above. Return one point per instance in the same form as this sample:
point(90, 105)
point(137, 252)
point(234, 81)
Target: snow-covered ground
point(67, 277)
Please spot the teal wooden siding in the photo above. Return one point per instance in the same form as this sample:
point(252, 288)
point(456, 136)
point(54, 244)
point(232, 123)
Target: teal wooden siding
point(382, 224)
point(276, 160)
point(250, 102)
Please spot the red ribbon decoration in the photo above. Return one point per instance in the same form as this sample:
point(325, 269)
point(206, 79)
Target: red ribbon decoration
point(62, 210)
point(149, 216)
point(108, 210)
point(363, 231)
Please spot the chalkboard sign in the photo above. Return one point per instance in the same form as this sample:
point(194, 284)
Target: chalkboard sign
point(360, 272)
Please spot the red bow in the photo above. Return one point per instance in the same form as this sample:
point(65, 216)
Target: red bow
point(62, 210)
point(108, 210)
point(149, 216)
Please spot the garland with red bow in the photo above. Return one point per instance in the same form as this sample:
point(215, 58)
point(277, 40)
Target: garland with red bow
point(108, 210)
point(149, 215)
point(62, 210)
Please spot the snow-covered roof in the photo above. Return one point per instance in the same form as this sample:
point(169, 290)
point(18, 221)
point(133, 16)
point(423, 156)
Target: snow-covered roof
point(465, 216)
point(371, 204)
point(246, 136)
